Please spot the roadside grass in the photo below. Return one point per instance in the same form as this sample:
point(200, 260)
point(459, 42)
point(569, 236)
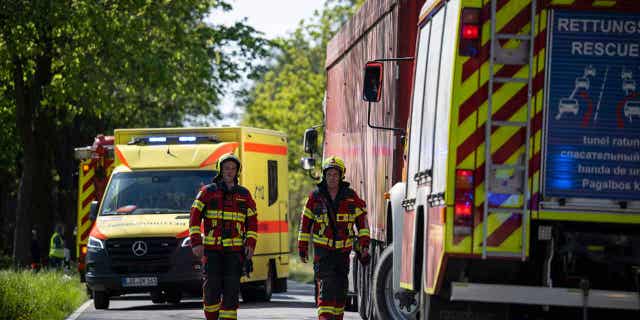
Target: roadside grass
point(25, 294)
point(298, 271)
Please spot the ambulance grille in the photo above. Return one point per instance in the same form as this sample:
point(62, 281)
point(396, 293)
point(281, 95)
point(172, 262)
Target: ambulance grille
point(156, 259)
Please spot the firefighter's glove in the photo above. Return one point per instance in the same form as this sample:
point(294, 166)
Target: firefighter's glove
point(304, 254)
point(247, 267)
point(364, 257)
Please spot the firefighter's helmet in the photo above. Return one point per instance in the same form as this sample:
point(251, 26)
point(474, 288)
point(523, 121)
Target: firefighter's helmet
point(227, 157)
point(335, 163)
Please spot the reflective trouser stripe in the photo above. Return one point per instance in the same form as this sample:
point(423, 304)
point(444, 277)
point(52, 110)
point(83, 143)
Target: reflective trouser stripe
point(212, 308)
point(228, 314)
point(326, 309)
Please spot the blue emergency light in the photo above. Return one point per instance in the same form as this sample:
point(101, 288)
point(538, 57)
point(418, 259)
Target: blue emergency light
point(157, 139)
point(162, 140)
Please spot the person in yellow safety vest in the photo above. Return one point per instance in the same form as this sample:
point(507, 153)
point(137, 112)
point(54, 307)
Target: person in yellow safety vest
point(56, 247)
point(328, 218)
point(227, 212)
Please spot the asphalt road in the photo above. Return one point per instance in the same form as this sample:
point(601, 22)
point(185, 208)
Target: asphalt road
point(296, 303)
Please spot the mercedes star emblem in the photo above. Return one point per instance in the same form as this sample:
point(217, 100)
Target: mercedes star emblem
point(139, 248)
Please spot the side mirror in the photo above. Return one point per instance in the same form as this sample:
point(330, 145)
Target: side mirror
point(310, 141)
point(372, 88)
point(93, 210)
point(308, 163)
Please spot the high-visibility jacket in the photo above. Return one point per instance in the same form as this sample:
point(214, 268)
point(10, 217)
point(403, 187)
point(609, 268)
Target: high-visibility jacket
point(56, 246)
point(333, 232)
point(229, 217)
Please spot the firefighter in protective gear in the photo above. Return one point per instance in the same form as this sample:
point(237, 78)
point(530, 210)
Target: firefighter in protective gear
point(229, 236)
point(56, 247)
point(328, 220)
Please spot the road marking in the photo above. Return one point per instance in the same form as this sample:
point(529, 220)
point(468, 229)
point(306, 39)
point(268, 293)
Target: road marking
point(79, 311)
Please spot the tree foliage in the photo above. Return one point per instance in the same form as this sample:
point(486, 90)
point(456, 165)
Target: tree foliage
point(289, 95)
point(74, 68)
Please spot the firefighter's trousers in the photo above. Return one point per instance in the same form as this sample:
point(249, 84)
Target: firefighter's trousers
point(222, 271)
point(331, 269)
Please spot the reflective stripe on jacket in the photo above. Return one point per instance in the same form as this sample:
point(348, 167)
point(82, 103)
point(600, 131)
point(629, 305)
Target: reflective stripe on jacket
point(315, 225)
point(226, 215)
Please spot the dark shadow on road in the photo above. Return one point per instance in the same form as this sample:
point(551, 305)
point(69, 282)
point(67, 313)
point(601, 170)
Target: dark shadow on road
point(277, 304)
point(142, 297)
point(164, 306)
point(198, 305)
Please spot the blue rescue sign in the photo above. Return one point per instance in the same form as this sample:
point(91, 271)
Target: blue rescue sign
point(592, 146)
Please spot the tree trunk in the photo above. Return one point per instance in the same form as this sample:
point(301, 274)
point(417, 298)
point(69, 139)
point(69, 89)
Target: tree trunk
point(21, 238)
point(28, 97)
point(24, 125)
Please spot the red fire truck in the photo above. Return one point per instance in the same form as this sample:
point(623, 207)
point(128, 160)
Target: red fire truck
point(94, 168)
point(518, 193)
point(374, 157)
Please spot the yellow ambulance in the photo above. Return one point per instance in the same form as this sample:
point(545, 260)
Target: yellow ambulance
point(140, 241)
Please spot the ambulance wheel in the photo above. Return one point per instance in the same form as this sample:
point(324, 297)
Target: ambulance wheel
point(266, 290)
point(158, 297)
point(280, 285)
point(248, 293)
point(100, 300)
point(174, 296)
point(385, 301)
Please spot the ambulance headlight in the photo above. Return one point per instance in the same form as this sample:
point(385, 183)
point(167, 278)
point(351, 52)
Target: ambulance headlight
point(186, 242)
point(95, 243)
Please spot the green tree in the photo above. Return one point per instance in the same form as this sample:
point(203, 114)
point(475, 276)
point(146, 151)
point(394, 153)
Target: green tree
point(83, 66)
point(289, 95)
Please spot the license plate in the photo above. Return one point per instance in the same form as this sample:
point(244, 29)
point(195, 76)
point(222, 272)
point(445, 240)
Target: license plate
point(140, 282)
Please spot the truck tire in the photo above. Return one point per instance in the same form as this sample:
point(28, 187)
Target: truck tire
point(100, 300)
point(385, 305)
point(363, 294)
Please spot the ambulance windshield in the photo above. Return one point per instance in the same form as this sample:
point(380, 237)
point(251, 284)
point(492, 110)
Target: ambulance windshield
point(154, 192)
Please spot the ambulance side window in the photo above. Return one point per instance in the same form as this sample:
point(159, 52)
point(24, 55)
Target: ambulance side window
point(272, 168)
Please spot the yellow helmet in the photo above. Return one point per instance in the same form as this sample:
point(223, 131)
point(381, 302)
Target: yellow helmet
point(227, 157)
point(335, 163)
